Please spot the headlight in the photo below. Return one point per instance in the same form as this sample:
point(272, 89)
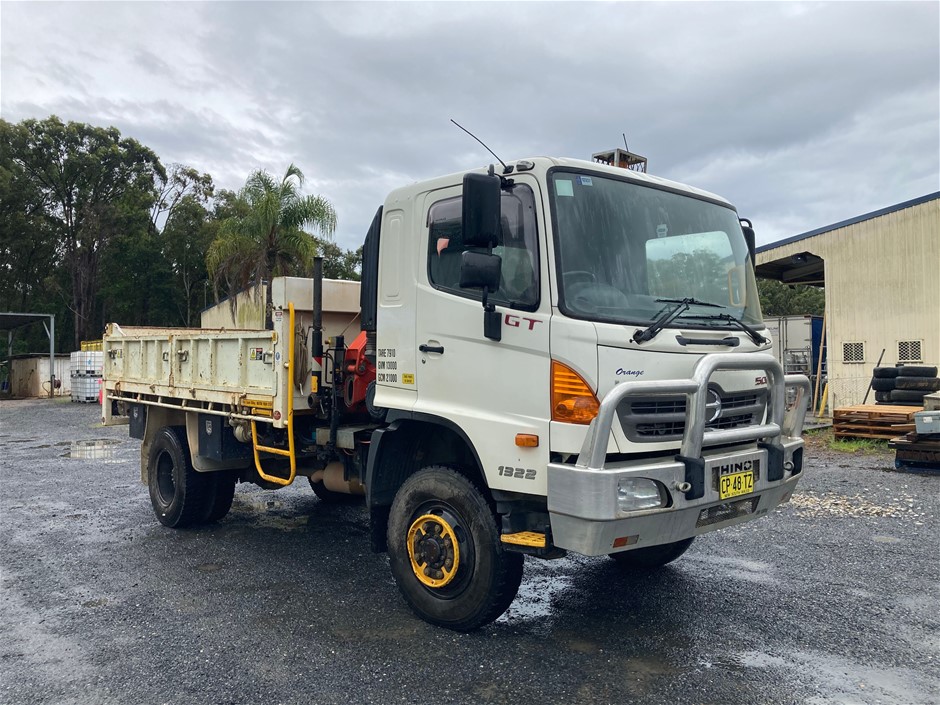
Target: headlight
point(635, 493)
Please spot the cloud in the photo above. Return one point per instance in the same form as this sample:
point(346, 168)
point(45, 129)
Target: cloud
point(803, 114)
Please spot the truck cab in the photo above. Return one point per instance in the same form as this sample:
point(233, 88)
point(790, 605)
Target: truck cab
point(609, 390)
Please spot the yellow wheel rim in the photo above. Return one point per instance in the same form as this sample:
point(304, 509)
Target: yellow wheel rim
point(433, 550)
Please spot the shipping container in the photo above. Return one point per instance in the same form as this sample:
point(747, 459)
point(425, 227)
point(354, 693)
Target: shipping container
point(796, 342)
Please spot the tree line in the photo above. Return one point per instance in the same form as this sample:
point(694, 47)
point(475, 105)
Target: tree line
point(95, 228)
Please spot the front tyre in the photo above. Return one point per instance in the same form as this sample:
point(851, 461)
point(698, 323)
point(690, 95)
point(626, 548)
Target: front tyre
point(652, 557)
point(180, 496)
point(445, 551)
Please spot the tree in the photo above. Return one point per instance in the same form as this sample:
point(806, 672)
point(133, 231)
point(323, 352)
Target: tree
point(264, 237)
point(28, 255)
point(779, 299)
point(136, 282)
point(91, 181)
point(339, 263)
point(185, 239)
point(27, 245)
point(180, 182)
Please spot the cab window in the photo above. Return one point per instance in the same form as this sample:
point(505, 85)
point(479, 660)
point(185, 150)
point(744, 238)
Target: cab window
point(517, 249)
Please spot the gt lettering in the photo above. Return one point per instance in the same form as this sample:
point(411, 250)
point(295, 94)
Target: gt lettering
point(516, 321)
point(517, 473)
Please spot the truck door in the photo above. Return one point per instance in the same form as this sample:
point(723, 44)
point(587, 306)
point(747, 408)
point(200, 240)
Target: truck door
point(491, 390)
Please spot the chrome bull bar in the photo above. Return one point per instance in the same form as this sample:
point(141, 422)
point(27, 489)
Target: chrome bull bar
point(769, 434)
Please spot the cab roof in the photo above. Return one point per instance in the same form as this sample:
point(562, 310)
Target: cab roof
point(541, 165)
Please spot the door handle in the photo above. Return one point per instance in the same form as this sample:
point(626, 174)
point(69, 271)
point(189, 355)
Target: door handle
point(439, 349)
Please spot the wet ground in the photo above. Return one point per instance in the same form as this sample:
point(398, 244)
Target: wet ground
point(833, 599)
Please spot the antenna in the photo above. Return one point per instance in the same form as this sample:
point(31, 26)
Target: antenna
point(625, 145)
point(505, 168)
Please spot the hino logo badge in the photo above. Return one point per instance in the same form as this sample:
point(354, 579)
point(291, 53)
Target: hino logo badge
point(712, 406)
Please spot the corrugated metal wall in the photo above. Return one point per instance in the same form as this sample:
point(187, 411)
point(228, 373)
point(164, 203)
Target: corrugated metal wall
point(882, 289)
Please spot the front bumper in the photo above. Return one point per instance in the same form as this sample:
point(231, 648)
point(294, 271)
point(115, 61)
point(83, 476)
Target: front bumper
point(582, 498)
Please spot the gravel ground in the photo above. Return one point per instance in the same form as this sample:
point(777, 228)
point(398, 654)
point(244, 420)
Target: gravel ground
point(833, 599)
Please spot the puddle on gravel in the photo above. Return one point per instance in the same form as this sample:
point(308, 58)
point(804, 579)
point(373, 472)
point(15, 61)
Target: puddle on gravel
point(100, 449)
point(844, 680)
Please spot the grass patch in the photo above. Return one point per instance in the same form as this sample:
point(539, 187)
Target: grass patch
point(824, 439)
point(866, 446)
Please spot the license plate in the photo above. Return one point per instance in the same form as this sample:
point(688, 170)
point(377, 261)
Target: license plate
point(735, 484)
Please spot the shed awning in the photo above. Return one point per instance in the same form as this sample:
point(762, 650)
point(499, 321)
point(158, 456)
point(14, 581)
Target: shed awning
point(801, 268)
point(10, 321)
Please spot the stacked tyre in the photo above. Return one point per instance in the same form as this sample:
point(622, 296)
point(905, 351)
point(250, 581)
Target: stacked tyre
point(905, 384)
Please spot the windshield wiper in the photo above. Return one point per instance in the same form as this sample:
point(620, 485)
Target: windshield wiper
point(666, 315)
point(756, 337)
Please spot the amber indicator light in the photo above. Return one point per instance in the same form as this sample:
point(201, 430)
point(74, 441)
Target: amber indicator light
point(572, 399)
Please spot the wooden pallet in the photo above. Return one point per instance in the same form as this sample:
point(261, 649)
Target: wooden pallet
point(873, 421)
point(916, 452)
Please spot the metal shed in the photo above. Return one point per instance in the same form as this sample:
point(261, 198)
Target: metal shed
point(30, 376)
point(881, 273)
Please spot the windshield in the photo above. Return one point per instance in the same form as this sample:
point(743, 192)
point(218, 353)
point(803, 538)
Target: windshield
point(623, 247)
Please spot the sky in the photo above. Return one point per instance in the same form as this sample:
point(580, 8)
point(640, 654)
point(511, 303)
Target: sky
point(801, 114)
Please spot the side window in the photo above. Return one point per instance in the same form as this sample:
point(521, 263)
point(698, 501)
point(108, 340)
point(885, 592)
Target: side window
point(445, 243)
point(517, 248)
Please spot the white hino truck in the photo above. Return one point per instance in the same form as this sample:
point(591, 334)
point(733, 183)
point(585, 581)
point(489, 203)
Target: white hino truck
point(556, 355)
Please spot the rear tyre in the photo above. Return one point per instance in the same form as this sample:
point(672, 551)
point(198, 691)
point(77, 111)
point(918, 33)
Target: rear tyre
point(180, 496)
point(883, 384)
point(886, 372)
point(221, 495)
point(445, 551)
point(653, 556)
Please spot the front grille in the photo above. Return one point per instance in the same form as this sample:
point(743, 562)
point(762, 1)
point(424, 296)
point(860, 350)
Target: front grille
point(731, 421)
point(740, 400)
point(676, 428)
point(727, 511)
point(649, 406)
point(662, 418)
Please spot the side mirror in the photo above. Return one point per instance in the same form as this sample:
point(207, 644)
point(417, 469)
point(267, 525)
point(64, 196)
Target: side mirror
point(480, 214)
point(480, 270)
point(750, 239)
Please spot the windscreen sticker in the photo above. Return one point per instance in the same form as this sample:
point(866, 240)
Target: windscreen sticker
point(563, 187)
point(585, 181)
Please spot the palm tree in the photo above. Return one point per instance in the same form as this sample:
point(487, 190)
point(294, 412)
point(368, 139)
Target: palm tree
point(266, 237)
